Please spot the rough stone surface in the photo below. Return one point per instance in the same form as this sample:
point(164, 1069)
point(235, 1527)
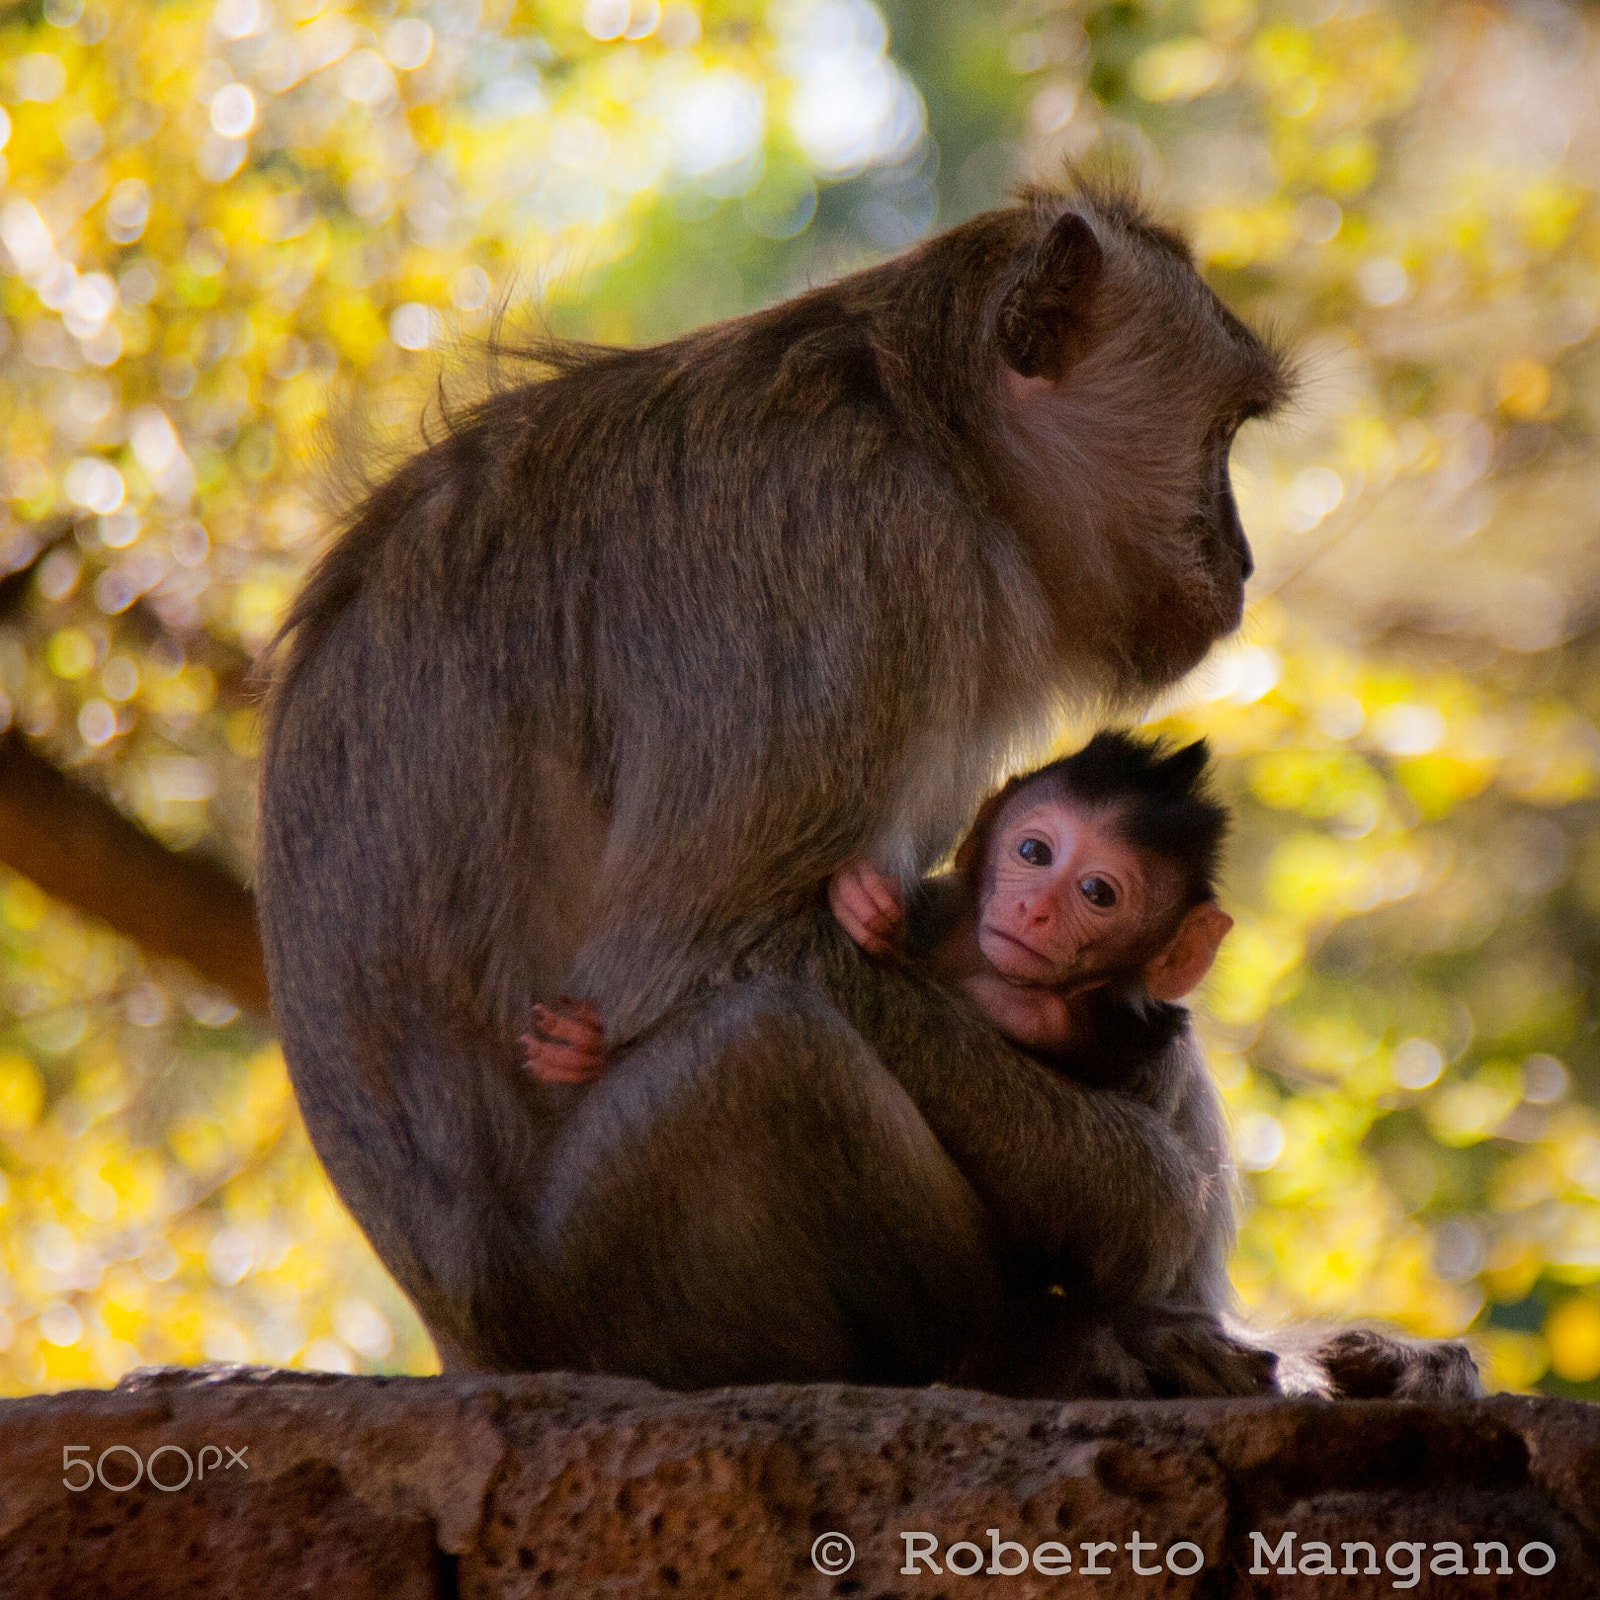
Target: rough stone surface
point(472, 1488)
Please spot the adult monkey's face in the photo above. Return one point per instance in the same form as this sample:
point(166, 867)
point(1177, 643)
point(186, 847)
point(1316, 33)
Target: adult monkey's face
point(1122, 382)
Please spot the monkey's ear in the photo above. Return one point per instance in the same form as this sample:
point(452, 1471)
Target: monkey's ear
point(1188, 956)
point(971, 851)
point(1182, 769)
point(1040, 325)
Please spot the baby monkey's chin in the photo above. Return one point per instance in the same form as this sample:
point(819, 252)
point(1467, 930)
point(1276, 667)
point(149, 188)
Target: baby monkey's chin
point(1017, 961)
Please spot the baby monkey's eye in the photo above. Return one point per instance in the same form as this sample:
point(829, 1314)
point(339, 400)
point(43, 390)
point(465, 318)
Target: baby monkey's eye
point(1098, 893)
point(1035, 852)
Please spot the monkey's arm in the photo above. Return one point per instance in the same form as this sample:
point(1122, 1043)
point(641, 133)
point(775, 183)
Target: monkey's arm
point(1173, 1343)
point(867, 904)
point(870, 906)
point(1082, 1187)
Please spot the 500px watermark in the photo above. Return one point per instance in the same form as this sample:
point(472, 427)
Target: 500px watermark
point(127, 1468)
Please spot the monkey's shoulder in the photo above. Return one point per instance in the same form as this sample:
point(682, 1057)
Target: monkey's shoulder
point(803, 359)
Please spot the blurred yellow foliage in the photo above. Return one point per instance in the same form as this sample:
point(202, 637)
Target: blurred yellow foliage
point(224, 224)
point(1179, 69)
point(1573, 1334)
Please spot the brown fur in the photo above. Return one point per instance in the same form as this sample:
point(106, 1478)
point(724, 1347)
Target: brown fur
point(1174, 1342)
point(592, 696)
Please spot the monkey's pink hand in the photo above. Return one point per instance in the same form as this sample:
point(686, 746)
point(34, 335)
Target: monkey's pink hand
point(568, 1042)
point(868, 906)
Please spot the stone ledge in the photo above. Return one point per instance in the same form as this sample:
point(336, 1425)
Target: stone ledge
point(405, 1488)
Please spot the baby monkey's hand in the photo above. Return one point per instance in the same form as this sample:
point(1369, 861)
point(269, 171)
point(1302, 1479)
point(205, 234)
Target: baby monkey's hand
point(568, 1042)
point(868, 906)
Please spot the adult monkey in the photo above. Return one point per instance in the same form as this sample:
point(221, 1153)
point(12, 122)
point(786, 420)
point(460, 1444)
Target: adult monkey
point(594, 695)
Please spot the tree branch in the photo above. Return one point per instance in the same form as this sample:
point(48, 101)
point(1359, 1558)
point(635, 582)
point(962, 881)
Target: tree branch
point(79, 848)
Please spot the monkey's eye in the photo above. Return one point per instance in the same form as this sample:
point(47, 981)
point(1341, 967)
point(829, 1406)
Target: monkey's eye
point(1098, 893)
point(1035, 852)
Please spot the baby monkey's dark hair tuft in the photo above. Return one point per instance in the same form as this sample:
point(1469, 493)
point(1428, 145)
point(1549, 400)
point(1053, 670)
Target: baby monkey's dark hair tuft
point(1161, 796)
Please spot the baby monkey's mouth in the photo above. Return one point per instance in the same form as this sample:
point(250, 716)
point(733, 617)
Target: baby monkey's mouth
point(1050, 964)
point(1055, 971)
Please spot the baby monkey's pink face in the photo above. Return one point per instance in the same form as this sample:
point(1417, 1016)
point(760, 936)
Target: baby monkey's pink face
point(1066, 900)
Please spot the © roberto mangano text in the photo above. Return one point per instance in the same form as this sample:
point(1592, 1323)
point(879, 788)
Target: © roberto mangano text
point(1405, 1560)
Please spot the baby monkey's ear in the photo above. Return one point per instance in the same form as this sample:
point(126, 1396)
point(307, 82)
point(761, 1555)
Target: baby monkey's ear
point(972, 858)
point(1043, 320)
point(1189, 953)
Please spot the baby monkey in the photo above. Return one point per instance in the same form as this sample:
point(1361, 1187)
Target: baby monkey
point(1080, 909)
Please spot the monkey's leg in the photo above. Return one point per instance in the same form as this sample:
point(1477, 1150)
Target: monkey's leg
point(1365, 1364)
point(1125, 1204)
point(1082, 1187)
point(748, 1196)
point(1056, 1347)
point(1187, 1352)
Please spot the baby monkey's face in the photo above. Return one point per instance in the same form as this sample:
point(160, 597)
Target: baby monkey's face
point(1066, 899)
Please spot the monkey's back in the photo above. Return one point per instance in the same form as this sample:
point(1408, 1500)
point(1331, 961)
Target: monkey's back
point(613, 674)
point(719, 593)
